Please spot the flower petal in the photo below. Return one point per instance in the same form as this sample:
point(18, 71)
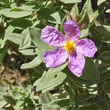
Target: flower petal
point(86, 47)
point(71, 30)
point(77, 63)
point(52, 37)
point(55, 58)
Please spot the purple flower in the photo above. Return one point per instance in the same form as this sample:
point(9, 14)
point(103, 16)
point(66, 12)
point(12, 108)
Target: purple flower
point(68, 46)
point(32, 89)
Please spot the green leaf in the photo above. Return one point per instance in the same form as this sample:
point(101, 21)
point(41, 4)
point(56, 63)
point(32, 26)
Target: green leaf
point(87, 6)
point(67, 14)
point(14, 37)
point(106, 88)
point(51, 15)
point(47, 107)
point(107, 11)
point(106, 39)
point(98, 43)
point(26, 7)
point(58, 68)
point(100, 2)
point(84, 20)
point(9, 30)
point(103, 29)
point(2, 53)
point(25, 40)
point(21, 23)
point(19, 103)
point(94, 100)
point(2, 101)
point(61, 102)
point(2, 42)
point(70, 1)
point(2, 104)
point(84, 33)
point(9, 99)
point(105, 56)
point(40, 52)
point(29, 103)
point(49, 81)
point(34, 76)
point(90, 72)
point(75, 12)
point(46, 98)
point(39, 69)
point(103, 69)
point(35, 35)
point(28, 51)
point(82, 83)
point(82, 103)
point(83, 96)
point(105, 76)
point(75, 108)
point(93, 17)
point(36, 23)
point(62, 23)
point(103, 105)
point(14, 14)
point(34, 63)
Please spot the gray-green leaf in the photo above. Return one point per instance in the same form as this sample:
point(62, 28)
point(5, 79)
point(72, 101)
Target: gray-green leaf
point(49, 81)
point(34, 63)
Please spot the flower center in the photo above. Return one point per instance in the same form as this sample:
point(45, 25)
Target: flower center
point(69, 46)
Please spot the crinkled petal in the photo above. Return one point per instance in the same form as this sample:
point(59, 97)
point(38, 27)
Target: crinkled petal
point(77, 63)
point(52, 37)
point(55, 58)
point(71, 30)
point(86, 47)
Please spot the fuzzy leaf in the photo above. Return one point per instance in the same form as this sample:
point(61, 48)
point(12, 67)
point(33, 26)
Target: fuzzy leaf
point(100, 2)
point(70, 1)
point(105, 56)
point(14, 14)
point(9, 99)
point(49, 81)
point(90, 72)
point(25, 40)
point(34, 63)
point(51, 15)
point(14, 37)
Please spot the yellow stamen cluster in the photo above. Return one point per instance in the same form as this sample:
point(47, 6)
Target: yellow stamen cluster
point(69, 46)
